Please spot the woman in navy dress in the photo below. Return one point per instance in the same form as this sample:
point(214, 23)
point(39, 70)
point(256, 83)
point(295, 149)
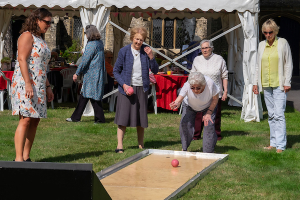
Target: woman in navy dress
point(132, 72)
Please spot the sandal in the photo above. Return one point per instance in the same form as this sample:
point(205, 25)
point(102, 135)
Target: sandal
point(119, 150)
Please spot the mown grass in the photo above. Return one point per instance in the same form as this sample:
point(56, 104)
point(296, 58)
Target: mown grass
point(249, 173)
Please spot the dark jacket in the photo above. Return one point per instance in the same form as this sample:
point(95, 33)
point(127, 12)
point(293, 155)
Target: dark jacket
point(124, 64)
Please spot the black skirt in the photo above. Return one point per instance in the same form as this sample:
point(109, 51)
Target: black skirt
point(132, 110)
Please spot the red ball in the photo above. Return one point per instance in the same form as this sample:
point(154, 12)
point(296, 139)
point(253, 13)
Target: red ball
point(130, 90)
point(175, 163)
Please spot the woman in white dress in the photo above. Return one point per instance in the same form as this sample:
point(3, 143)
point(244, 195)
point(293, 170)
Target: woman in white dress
point(29, 82)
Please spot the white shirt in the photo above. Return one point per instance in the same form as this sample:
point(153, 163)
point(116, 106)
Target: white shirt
point(214, 67)
point(136, 77)
point(199, 102)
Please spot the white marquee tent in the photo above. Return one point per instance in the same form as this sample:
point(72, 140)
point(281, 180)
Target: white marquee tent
point(242, 42)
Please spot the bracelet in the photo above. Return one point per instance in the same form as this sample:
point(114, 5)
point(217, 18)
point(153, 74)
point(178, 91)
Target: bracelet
point(210, 110)
point(48, 86)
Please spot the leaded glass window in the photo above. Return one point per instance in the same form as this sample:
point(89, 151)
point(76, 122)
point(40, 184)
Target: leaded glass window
point(157, 32)
point(169, 33)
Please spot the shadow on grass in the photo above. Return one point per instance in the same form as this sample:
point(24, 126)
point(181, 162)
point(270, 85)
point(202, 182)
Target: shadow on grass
point(234, 133)
point(72, 157)
point(156, 144)
point(107, 119)
point(219, 149)
point(292, 139)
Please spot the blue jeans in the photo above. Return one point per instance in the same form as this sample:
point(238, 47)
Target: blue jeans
point(276, 102)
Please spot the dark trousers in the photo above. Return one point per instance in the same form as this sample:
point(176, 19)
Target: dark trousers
point(187, 128)
point(199, 123)
point(108, 87)
point(98, 110)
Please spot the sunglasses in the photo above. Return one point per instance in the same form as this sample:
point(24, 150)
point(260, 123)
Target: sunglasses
point(266, 33)
point(195, 88)
point(47, 22)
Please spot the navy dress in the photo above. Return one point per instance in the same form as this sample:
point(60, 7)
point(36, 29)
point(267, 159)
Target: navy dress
point(132, 110)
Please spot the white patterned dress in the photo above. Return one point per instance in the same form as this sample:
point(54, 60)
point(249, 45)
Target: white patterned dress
point(36, 107)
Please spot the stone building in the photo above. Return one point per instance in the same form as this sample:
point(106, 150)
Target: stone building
point(64, 29)
point(201, 27)
point(287, 16)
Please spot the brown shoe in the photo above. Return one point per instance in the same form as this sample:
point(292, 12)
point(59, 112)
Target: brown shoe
point(269, 148)
point(279, 151)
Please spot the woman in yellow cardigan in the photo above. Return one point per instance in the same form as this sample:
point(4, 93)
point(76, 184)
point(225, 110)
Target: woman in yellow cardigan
point(273, 76)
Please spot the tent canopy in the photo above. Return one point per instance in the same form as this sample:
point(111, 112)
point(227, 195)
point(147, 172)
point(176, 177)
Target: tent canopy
point(204, 5)
point(192, 5)
point(242, 42)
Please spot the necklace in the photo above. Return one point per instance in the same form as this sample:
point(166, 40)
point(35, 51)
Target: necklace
point(135, 52)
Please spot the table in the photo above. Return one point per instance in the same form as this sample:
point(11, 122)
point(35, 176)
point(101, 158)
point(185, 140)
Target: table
point(3, 83)
point(166, 89)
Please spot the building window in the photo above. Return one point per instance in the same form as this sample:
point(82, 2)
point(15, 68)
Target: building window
point(77, 29)
point(156, 34)
point(169, 33)
point(163, 33)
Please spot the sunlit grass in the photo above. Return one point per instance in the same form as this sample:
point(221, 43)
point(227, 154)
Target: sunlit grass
point(249, 173)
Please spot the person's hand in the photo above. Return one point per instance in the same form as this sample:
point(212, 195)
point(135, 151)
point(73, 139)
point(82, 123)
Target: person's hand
point(149, 52)
point(286, 88)
point(28, 91)
point(174, 105)
point(255, 89)
point(50, 94)
point(206, 118)
point(126, 87)
point(224, 97)
point(74, 77)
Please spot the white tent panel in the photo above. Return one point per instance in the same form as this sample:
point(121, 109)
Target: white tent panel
point(50, 4)
point(5, 16)
point(252, 108)
point(204, 5)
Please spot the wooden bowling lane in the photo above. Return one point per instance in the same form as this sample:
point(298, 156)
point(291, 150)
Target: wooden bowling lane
point(153, 177)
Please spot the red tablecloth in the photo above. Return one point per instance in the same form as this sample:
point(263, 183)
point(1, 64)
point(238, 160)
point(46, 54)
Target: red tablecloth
point(3, 83)
point(166, 89)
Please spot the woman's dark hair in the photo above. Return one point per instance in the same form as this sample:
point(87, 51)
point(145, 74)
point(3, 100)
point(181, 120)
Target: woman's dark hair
point(92, 33)
point(31, 24)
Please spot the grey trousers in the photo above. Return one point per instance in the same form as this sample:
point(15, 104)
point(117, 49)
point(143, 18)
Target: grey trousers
point(187, 128)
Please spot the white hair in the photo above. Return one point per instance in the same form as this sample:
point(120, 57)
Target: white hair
point(209, 42)
point(196, 78)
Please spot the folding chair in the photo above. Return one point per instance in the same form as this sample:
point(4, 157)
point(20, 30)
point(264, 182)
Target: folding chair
point(153, 94)
point(2, 102)
point(68, 80)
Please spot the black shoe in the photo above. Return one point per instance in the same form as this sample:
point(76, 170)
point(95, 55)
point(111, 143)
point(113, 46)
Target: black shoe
point(28, 160)
point(70, 120)
point(119, 150)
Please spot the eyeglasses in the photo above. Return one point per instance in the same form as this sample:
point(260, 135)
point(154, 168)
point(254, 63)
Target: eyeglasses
point(195, 88)
point(266, 33)
point(203, 48)
point(47, 22)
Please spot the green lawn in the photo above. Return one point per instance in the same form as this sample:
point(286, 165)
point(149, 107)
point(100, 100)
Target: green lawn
point(249, 173)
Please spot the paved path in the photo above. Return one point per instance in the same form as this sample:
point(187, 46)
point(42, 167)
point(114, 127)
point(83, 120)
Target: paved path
point(293, 96)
